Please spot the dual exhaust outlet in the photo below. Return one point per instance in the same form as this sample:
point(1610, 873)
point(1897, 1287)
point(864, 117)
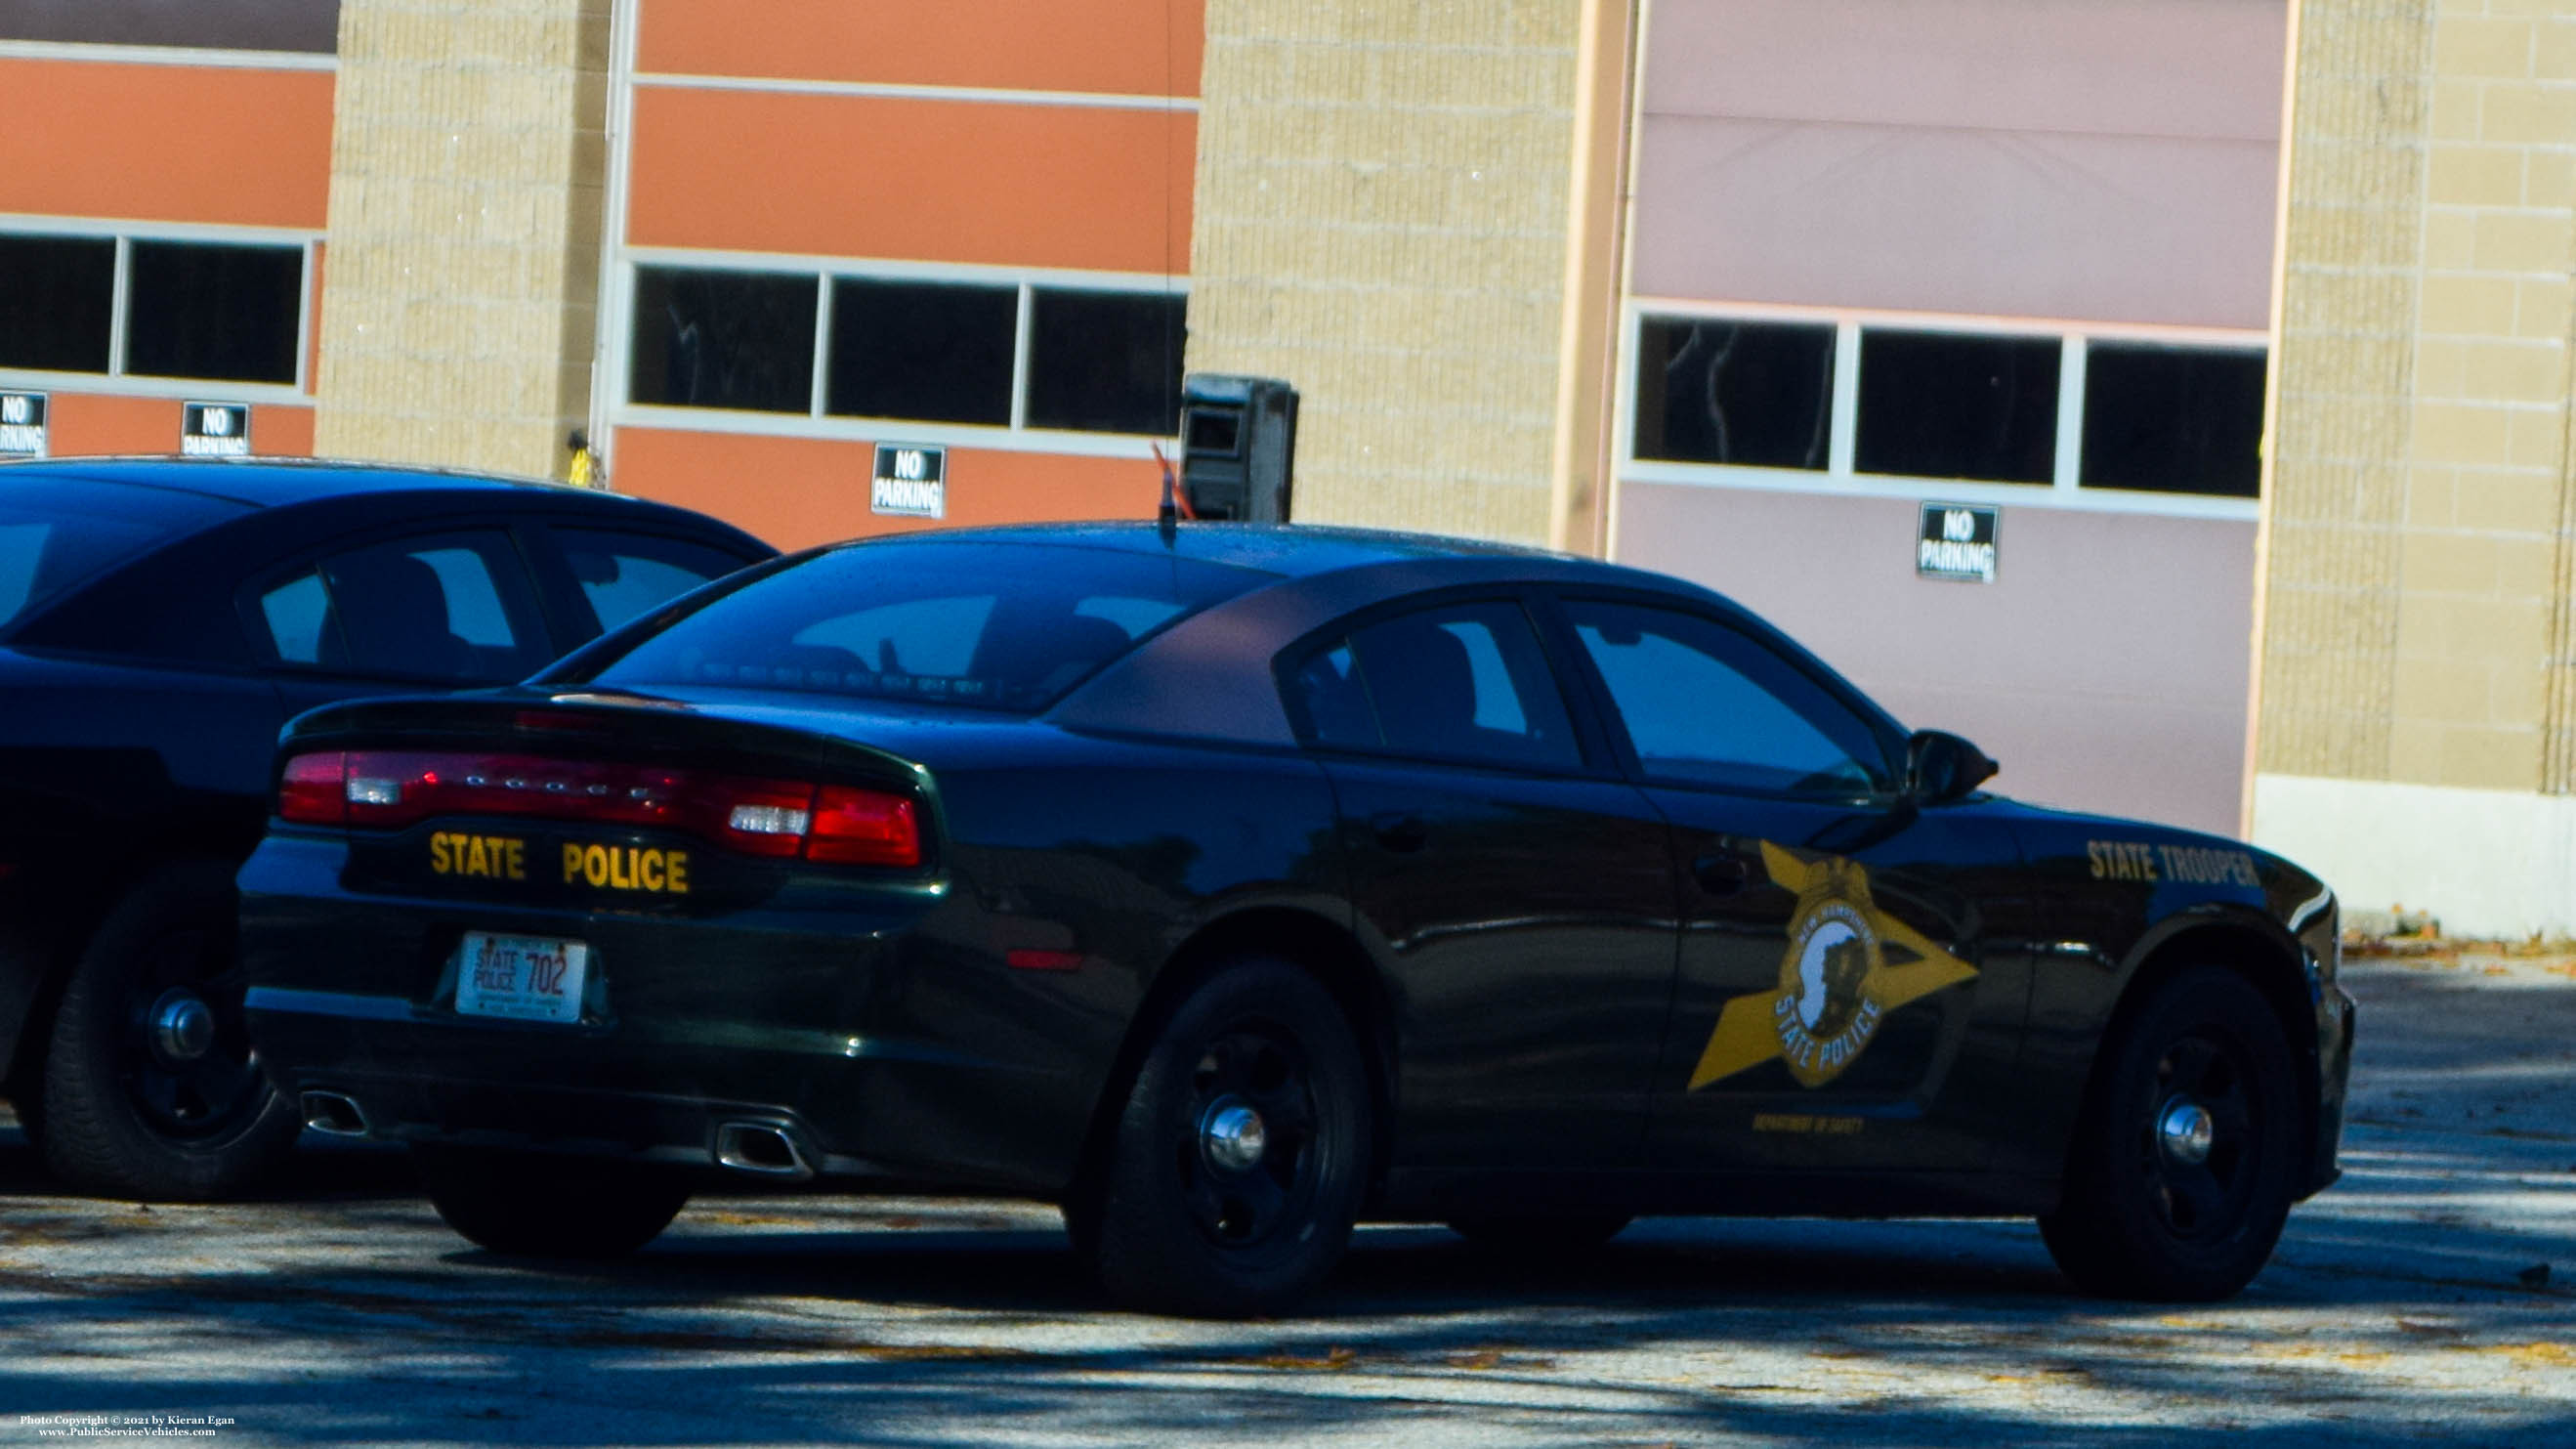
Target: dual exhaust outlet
point(761, 1149)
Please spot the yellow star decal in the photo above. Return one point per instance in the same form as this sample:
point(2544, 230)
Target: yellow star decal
point(1836, 985)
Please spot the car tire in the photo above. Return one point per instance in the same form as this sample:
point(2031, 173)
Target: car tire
point(1539, 1235)
point(2153, 1209)
point(151, 1088)
point(1205, 1211)
point(529, 1206)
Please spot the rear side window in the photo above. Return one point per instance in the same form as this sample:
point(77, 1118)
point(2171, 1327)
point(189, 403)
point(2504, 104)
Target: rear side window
point(454, 609)
point(56, 532)
point(1466, 683)
point(625, 575)
point(1004, 626)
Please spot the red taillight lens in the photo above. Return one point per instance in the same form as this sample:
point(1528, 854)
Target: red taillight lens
point(314, 790)
point(389, 789)
point(863, 827)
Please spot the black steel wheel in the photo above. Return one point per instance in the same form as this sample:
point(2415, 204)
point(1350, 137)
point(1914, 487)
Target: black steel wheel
point(1539, 1235)
point(151, 1086)
point(2185, 1163)
point(532, 1206)
point(1236, 1169)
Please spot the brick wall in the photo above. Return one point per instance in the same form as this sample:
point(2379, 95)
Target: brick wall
point(2417, 571)
point(467, 164)
point(1382, 221)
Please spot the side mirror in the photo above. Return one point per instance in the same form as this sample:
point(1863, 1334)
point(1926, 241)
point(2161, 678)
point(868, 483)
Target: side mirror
point(1942, 767)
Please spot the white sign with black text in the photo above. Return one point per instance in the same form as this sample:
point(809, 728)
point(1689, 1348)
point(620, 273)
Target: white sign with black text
point(911, 481)
point(215, 430)
point(22, 425)
point(1957, 541)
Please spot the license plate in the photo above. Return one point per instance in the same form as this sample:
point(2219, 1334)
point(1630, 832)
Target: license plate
point(524, 978)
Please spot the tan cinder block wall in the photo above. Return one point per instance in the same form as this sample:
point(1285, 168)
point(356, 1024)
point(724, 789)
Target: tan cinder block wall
point(1381, 220)
point(462, 268)
point(2416, 587)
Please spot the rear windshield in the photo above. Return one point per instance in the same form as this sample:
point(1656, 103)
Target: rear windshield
point(55, 532)
point(1007, 626)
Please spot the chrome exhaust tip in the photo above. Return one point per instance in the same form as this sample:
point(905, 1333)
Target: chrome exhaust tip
point(334, 1115)
point(763, 1149)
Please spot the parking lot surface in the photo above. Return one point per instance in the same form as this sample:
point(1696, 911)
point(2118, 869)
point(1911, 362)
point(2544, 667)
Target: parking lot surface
point(2407, 1305)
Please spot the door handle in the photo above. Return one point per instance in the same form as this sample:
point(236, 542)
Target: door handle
point(1722, 875)
point(1400, 830)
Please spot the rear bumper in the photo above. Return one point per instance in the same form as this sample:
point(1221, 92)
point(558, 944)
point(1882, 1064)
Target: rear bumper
point(859, 1030)
point(416, 1074)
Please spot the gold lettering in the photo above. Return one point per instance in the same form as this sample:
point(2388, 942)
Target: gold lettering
point(648, 869)
point(676, 870)
point(515, 858)
point(2101, 866)
point(438, 861)
point(572, 864)
point(619, 874)
point(594, 865)
point(478, 859)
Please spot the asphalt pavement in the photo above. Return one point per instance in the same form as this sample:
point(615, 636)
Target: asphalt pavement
point(2406, 1306)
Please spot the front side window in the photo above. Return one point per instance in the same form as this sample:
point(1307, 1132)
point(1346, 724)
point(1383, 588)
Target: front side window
point(992, 625)
point(1467, 683)
point(1706, 705)
point(625, 575)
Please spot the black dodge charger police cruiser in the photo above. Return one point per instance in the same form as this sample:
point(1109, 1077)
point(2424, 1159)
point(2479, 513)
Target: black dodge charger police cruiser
point(160, 620)
point(1228, 884)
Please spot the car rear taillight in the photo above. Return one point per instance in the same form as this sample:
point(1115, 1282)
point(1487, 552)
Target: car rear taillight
point(390, 789)
point(315, 789)
point(863, 827)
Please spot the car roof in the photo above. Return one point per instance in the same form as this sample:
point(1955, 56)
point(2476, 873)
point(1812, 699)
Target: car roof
point(1288, 550)
point(274, 482)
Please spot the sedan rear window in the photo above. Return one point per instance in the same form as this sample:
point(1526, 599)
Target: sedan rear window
point(1008, 626)
point(56, 532)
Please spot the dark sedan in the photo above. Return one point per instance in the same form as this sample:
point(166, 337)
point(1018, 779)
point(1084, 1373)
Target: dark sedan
point(160, 621)
point(1228, 884)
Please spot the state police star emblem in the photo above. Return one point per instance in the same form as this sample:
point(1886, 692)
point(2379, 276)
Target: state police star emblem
point(1836, 983)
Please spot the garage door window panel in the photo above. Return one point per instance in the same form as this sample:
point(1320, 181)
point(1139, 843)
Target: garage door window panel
point(724, 339)
point(1105, 362)
point(916, 350)
point(2173, 419)
point(1704, 705)
point(1750, 394)
point(1953, 405)
point(57, 300)
point(218, 312)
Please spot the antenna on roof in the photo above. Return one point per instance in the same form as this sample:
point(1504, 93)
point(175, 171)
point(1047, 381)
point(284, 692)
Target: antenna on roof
point(1176, 505)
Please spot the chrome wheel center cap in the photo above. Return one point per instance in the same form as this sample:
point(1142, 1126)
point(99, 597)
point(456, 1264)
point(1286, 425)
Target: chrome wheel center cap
point(183, 1027)
point(2186, 1129)
point(1232, 1136)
